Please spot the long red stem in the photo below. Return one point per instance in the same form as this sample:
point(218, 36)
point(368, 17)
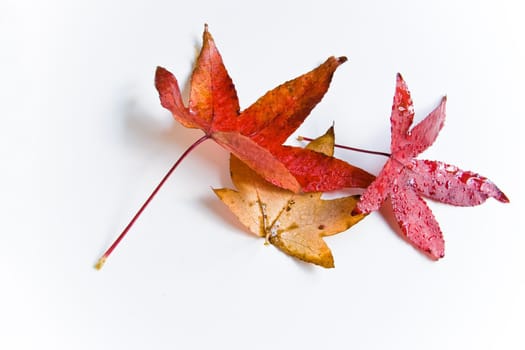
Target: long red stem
point(300, 138)
point(102, 259)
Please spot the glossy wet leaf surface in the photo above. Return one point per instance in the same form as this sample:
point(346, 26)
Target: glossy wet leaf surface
point(405, 179)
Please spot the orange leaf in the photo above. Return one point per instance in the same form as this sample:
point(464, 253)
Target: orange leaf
point(256, 135)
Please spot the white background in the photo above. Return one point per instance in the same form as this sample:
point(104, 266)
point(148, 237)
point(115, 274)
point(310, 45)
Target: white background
point(83, 141)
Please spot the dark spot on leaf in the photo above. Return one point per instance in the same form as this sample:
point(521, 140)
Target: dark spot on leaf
point(292, 227)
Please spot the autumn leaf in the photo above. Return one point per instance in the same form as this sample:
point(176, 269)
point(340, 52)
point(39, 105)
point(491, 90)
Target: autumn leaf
point(405, 179)
point(256, 134)
point(295, 223)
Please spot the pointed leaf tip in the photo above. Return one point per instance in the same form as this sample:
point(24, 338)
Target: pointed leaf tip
point(158, 71)
point(206, 35)
point(499, 195)
point(503, 198)
point(401, 83)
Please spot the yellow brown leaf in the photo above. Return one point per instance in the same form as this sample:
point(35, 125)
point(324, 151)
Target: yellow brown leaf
point(295, 223)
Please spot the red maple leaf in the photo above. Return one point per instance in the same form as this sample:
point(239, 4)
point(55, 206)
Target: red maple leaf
point(405, 179)
point(256, 135)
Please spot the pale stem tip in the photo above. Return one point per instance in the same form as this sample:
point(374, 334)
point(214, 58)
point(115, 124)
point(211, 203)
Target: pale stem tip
point(100, 263)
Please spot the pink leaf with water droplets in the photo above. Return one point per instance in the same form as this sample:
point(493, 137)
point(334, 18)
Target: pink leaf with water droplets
point(404, 179)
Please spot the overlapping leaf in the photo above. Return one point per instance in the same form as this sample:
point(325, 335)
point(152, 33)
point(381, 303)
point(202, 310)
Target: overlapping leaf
point(295, 223)
point(256, 135)
point(404, 179)
point(279, 187)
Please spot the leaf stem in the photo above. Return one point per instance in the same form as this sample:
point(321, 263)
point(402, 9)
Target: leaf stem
point(108, 252)
point(301, 138)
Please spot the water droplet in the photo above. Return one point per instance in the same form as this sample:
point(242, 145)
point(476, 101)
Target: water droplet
point(451, 169)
